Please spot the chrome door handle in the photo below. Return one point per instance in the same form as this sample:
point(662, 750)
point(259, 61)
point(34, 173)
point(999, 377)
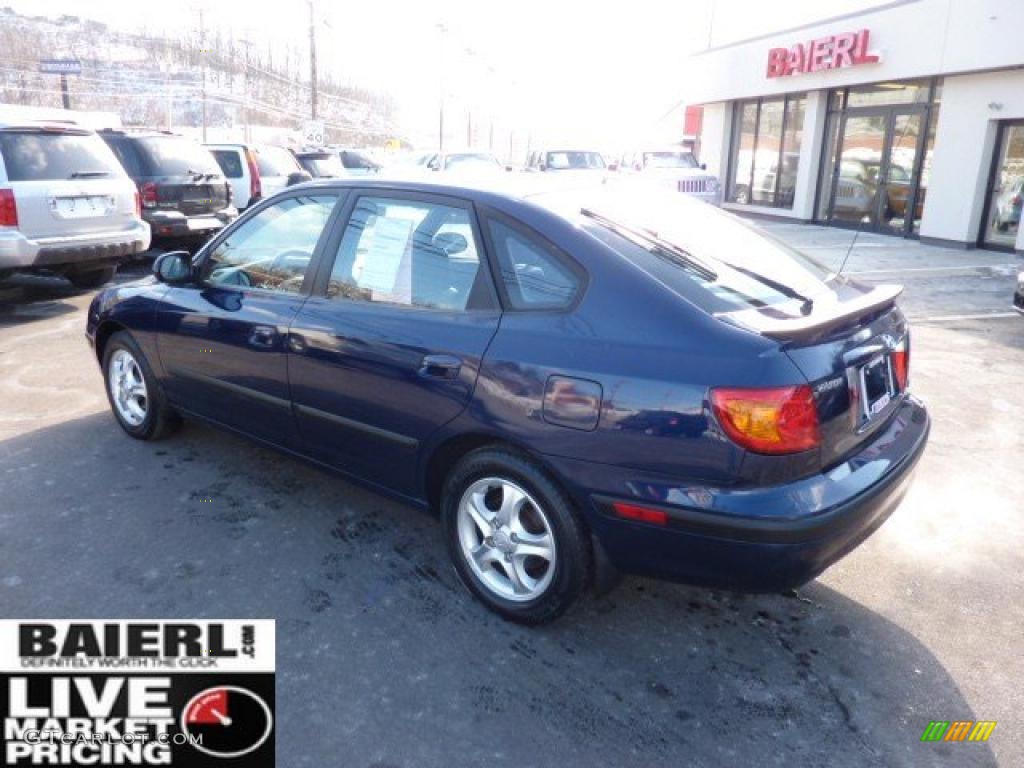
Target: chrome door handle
point(440, 367)
point(263, 336)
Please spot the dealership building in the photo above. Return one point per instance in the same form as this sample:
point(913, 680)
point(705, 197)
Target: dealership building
point(904, 119)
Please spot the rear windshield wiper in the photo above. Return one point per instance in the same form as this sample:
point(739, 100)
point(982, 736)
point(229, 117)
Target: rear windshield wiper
point(88, 174)
point(806, 303)
point(654, 245)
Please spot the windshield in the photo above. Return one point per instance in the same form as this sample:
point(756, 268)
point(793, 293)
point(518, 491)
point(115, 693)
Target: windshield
point(669, 160)
point(323, 165)
point(41, 155)
point(275, 161)
point(176, 156)
point(573, 160)
point(468, 160)
point(716, 260)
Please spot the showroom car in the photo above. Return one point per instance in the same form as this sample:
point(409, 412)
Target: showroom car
point(577, 386)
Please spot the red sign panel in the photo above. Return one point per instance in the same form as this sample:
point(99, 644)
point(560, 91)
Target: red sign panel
point(832, 52)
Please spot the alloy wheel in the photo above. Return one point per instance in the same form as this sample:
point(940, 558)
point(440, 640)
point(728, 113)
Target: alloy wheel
point(506, 539)
point(128, 388)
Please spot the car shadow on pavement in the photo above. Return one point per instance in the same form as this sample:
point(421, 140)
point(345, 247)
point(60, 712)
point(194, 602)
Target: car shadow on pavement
point(382, 656)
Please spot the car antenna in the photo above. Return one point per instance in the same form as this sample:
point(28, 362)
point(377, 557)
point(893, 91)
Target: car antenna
point(848, 252)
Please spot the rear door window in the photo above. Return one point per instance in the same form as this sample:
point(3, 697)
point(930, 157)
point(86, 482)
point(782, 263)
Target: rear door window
point(230, 161)
point(410, 252)
point(50, 155)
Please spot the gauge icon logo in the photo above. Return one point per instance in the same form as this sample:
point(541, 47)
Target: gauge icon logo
point(227, 721)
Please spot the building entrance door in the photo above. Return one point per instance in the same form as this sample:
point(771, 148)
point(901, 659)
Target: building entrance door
point(876, 169)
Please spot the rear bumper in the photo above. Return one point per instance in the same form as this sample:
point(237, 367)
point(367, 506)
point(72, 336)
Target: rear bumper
point(20, 252)
point(760, 539)
point(177, 224)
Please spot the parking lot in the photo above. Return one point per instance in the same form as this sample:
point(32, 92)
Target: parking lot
point(384, 660)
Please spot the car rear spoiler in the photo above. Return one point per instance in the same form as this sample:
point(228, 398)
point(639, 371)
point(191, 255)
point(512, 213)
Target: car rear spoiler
point(822, 319)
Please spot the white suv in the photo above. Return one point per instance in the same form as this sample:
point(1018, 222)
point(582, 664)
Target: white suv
point(675, 168)
point(256, 171)
point(67, 206)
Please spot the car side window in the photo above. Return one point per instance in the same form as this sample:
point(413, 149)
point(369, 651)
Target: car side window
point(411, 253)
point(230, 161)
point(272, 250)
point(534, 276)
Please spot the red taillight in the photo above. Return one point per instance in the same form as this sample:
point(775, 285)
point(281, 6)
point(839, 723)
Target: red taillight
point(643, 514)
point(148, 194)
point(255, 186)
point(901, 364)
point(138, 204)
point(768, 420)
point(8, 209)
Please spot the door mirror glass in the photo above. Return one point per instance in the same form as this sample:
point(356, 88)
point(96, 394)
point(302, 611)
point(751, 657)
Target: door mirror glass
point(173, 267)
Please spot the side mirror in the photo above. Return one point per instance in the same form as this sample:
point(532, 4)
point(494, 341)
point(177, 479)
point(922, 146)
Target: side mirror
point(173, 267)
point(509, 168)
point(542, 167)
point(613, 166)
point(703, 166)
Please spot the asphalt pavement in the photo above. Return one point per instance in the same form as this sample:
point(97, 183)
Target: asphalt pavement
point(384, 660)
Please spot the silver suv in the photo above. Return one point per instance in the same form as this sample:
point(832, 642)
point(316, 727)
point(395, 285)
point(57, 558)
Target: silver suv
point(67, 206)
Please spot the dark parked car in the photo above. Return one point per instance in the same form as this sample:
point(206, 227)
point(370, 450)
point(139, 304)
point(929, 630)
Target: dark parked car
point(184, 193)
point(322, 164)
point(1018, 296)
point(573, 394)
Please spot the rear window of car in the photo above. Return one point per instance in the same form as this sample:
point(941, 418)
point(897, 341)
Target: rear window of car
point(46, 155)
point(355, 160)
point(322, 165)
point(716, 261)
point(175, 156)
point(275, 161)
point(230, 161)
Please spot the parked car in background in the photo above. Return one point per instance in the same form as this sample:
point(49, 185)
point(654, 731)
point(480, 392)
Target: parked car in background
point(566, 160)
point(321, 163)
point(644, 382)
point(67, 207)
point(256, 171)
point(674, 168)
point(184, 193)
point(356, 162)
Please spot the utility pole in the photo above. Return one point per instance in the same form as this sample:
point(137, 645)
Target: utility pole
point(312, 60)
point(202, 52)
point(442, 30)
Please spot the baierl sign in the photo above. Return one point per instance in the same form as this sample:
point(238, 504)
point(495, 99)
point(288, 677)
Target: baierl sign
point(849, 49)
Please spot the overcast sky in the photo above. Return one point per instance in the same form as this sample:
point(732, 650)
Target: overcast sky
point(596, 72)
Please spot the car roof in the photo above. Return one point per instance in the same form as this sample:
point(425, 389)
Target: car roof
point(44, 125)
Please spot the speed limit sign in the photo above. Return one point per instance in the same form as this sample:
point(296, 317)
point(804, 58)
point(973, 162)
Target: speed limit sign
point(313, 132)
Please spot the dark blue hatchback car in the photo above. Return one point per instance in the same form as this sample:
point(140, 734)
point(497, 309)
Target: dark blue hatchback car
point(579, 384)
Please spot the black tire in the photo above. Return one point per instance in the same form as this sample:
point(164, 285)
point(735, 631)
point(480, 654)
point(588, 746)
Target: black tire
point(573, 566)
point(160, 419)
point(94, 278)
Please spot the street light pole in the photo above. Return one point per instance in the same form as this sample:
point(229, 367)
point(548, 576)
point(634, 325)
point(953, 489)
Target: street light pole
point(202, 52)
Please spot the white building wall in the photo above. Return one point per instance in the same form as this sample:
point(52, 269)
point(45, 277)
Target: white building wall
point(964, 145)
point(915, 38)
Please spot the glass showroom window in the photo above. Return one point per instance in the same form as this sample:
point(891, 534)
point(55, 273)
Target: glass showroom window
point(765, 151)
